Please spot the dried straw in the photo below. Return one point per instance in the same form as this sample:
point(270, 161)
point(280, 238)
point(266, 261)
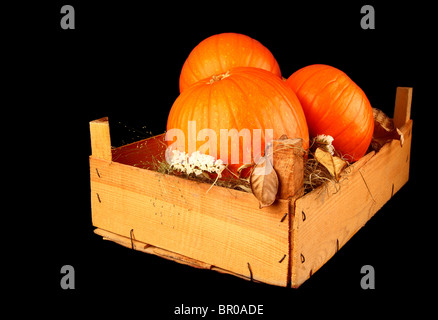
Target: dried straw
point(315, 174)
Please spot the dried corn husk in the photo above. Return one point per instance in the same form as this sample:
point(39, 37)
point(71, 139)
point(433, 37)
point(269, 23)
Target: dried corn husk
point(384, 130)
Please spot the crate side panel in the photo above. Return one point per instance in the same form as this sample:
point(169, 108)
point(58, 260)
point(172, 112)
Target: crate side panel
point(327, 218)
point(223, 227)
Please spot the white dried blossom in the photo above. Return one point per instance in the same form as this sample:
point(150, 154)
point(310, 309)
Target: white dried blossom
point(327, 141)
point(196, 163)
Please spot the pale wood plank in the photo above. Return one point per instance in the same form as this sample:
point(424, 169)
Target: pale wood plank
point(132, 243)
point(223, 227)
point(143, 247)
point(402, 110)
point(325, 219)
point(100, 139)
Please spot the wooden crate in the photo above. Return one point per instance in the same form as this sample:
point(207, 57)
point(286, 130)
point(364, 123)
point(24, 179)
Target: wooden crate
point(224, 230)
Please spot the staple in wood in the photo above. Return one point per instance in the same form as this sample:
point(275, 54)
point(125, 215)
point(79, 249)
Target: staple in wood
point(250, 271)
point(132, 242)
point(281, 260)
point(284, 217)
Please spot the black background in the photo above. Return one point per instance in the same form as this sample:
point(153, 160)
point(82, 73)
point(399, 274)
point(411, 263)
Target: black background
point(123, 61)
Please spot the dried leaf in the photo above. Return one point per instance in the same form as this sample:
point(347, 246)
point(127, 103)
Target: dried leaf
point(264, 182)
point(384, 130)
point(333, 164)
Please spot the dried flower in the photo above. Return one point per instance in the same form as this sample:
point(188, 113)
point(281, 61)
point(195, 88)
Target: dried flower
point(325, 142)
point(197, 163)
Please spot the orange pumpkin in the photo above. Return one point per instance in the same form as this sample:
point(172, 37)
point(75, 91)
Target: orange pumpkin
point(335, 105)
point(221, 52)
point(243, 98)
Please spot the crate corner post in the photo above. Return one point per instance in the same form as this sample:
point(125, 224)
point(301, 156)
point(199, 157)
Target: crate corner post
point(402, 108)
point(100, 139)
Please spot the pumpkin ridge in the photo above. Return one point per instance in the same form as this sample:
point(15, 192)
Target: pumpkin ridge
point(316, 96)
point(308, 78)
point(190, 69)
point(352, 142)
point(209, 110)
point(327, 128)
point(363, 144)
point(230, 104)
point(369, 124)
point(234, 107)
point(370, 130)
point(295, 112)
point(250, 57)
point(175, 112)
point(345, 128)
point(188, 65)
point(261, 89)
point(291, 105)
point(349, 83)
point(193, 109)
point(248, 105)
point(219, 53)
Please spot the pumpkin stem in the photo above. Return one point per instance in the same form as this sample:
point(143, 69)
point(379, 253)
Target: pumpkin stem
point(219, 77)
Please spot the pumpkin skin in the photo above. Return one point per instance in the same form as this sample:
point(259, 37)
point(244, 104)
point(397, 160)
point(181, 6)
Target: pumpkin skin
point(335, 105)
point(244, 97)
point(221, 52)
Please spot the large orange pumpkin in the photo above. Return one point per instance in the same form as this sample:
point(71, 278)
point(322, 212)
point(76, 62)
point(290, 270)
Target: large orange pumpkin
point(335, 105)
point(221, 52)
point(242, 98)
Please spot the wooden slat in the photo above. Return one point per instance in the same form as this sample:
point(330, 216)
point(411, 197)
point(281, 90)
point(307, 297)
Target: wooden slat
point(100, 139)
point(402, 110)
point(223, 227)
point(132, 243)
point(147, 248)
point(326, 218)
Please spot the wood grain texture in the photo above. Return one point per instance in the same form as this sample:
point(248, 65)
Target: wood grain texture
point(402, 110)
point(224, 228)
point(326, 218)
point(100, 139)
